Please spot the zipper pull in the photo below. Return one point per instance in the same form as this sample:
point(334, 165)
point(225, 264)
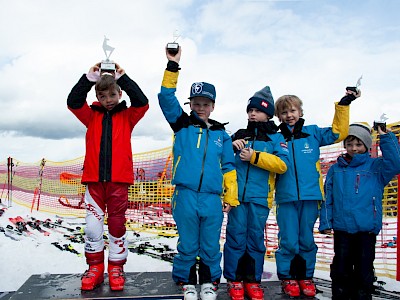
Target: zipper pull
point(357, 183)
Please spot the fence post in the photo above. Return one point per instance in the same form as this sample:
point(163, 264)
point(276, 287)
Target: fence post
point(10, 174)
point(398, 231)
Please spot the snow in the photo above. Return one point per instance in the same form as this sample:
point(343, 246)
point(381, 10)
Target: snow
point(36, 255)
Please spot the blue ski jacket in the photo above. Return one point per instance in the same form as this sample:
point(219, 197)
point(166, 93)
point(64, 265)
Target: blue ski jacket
point(354, 189)
point(303, 179)
point(203, 159)
point(256, 178)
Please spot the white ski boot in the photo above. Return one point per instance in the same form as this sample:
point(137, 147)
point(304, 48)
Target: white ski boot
point(208, 291)
point(189, 292)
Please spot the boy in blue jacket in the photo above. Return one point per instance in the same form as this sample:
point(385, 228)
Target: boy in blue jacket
point(299, 190)
point(203, 170)
point(353, 209)
point(260, 153)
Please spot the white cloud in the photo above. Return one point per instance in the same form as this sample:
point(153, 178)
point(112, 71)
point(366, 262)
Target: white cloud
point(312, 49)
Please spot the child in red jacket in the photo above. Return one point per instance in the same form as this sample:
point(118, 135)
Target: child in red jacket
point(108, 168)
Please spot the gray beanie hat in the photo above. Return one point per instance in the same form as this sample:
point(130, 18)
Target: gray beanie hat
point(362, 131)
point(263, 101)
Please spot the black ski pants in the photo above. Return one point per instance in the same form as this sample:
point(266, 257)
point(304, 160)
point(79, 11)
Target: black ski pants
point(352, 269)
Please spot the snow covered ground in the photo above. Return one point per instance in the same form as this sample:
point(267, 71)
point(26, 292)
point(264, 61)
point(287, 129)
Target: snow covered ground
point(36, 255)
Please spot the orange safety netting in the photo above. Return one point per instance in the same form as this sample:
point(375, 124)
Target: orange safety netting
point(55, 187)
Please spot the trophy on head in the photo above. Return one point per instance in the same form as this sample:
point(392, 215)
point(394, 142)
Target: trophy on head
point(173, 47)
point(107, 65)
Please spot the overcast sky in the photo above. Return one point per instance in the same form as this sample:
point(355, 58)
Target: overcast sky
point(310, 48)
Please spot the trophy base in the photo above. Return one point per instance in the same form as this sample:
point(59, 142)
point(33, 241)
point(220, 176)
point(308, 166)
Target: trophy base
point(173, 48)
point(382, 125)
point(107, 66)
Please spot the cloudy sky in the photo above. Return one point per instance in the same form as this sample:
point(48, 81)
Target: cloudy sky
point(309, 48)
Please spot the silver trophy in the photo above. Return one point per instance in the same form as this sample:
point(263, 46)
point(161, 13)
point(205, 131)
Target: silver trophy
point(107, 65)
point(355, 88)
point(173, 47)
point(381, 123)
point(358, 82)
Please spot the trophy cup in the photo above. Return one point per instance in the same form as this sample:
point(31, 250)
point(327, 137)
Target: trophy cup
point(173, 47)
point(107, 65)
point(381, 123)
point(355, 88)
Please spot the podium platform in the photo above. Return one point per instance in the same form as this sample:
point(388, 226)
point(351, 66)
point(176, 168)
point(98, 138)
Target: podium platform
point(145, 285)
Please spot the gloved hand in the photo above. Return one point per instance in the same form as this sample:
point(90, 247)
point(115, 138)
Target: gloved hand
point(352, 93)
point(118, 71)
point(94, 73)
point(93, 76)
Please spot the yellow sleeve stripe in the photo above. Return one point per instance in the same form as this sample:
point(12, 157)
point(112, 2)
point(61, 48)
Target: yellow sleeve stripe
point(170, 79)
point(340, 124)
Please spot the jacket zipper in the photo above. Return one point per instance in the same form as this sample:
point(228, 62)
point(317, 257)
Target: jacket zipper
point(105, 148)
point(295, 170)
point(248, 168)
point(357, 182)
point(373, 204)
point(204, 159)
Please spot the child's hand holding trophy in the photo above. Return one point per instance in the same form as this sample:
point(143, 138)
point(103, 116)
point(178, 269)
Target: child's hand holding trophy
point(381, 123)
point(173, 47)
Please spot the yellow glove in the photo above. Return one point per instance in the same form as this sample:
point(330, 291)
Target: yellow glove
point(231, 189)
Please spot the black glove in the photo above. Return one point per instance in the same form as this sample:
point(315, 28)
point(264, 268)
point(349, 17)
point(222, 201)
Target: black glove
point(346, 100)
point(173, 66)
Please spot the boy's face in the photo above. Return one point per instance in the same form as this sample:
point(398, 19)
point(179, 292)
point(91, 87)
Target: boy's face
point(354, 146)
point(202, 106)
point(256, 115)
point(109, 98)
point(289, 115)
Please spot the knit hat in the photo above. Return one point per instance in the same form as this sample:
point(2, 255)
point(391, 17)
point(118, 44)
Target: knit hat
point(362, 131)
point(263, 101)
point(203, 89)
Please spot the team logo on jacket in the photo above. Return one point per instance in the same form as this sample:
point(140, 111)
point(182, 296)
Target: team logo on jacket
point(284, 147)
point(307, 148)
point(218, 142)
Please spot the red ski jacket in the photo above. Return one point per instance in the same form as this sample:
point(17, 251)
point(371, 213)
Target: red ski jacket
point(108, 138)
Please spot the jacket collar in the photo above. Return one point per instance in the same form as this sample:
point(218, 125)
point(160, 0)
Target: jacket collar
point(195, 120)
point(297, 132)
point(358, 159)
point(262, 127)
point(100, 108)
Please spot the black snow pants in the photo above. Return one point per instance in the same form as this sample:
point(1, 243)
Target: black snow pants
point(352, 269)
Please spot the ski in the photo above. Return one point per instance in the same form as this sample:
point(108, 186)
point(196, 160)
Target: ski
point(2, 211)
point(132, 242)
point(11, 233)
point(48, 223)
point(15, 234)
point(66, 247)
point(71, 220)
point(20, 225)
point(36, 225)
point(78, 238)
point(159, 251)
